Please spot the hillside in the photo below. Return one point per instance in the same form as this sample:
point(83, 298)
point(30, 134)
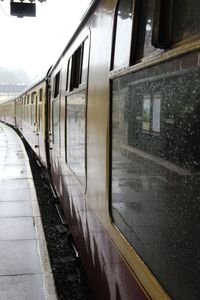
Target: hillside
point(9, 76)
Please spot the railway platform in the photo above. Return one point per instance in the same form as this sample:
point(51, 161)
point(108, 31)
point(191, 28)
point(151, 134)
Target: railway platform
point(25, 271)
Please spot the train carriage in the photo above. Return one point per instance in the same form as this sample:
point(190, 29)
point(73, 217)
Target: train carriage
point(28, 113)
point(126, 140)
point(8, 112)
point(31, 118)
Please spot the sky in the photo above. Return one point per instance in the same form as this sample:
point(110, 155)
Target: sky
point(32, 44)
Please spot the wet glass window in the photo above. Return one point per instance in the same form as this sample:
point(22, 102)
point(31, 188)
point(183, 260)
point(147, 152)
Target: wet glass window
point(25, 109)
point(40, 95)
point(55, 121)
point(85, 61)
point(75, 77)
point(186, 19)
point(32, 109)
point(56, 84)
point(155, 177)
point(69, 69)
point(75, 125)
point(32, 97)
point(77, 68)
point(75, 135)
point(39, 106)
point(123, 34)
point(143, 46)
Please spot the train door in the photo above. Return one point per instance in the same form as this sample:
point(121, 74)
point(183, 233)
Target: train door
point(20, 114)
point(36, 125)
point(47, 123)
point(54, 141)
point(76, 111)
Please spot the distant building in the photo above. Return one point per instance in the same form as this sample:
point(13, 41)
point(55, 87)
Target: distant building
point(8, 91)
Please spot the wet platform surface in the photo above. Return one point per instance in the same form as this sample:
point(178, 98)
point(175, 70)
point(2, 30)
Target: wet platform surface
point(25, 271)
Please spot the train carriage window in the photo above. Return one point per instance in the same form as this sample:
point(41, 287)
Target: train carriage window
point(19, 108)
point(56, 84)
point(76, 69)
point(151, 26)
point(137, 21)
point(32, 97)
point(69, 68)
point(24, 108)
point(85, 61)
point(56, 110)
point(36, 109)
point(76, 118)
point(123, 34)
point(32, 115)
point(55, 121)
point(186, 19)
point(26, 113)
point(32, 109)
point(40, 108)
point(175, 21)
point(144, 13)
point(77, 66)
point(40, 95)
point(155, 177)
point(29, 109)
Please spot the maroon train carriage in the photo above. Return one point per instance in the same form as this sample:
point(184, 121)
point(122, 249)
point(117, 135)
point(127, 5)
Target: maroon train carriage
point(28, 113)
point(118, 116)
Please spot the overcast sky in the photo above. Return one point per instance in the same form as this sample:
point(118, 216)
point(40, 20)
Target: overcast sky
point(33, 44)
